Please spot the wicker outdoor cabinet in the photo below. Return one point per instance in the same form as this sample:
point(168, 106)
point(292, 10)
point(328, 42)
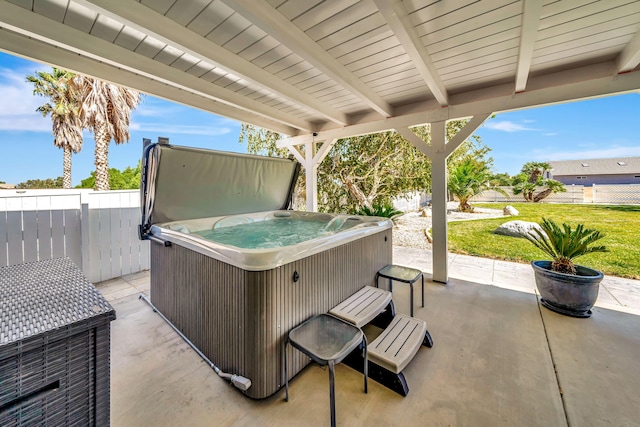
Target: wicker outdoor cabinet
point(54, 346)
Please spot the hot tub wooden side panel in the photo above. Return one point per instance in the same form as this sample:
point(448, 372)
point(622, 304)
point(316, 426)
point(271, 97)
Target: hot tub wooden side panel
point(239, 319)
point(205, 299)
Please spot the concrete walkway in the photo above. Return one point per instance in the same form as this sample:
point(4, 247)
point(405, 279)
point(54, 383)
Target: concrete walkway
point(615, 293)
point(499, 359)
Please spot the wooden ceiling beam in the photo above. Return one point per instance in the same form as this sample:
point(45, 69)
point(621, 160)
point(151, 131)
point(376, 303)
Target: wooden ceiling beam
point(582, 83)
point(38, 50)
point(531, 11)
point(265, 17)
point(629, 58)
point(398, 19)
point(55, 33)
point(146, 20)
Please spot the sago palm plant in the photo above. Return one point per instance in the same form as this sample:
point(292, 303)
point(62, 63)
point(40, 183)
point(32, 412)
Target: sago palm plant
point(564, 244)
point(383, 210)
point(468, 179)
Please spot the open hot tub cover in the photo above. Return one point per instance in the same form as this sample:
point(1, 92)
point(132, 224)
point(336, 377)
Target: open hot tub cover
point(180, 183)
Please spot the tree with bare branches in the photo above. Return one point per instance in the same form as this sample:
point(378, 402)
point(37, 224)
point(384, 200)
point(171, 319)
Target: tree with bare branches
point(366, 171)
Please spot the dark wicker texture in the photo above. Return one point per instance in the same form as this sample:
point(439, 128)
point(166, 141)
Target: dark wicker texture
point(54, 346)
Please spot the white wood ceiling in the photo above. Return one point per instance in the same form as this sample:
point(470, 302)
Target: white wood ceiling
point(302, 66)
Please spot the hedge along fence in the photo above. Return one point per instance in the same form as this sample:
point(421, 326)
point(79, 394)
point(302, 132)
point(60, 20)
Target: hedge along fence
point(628, 194)
point(97, 230)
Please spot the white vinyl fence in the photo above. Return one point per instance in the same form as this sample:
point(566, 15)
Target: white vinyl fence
point(97, 230)
point(574, 194)
point(628, 194)
point(411, 201)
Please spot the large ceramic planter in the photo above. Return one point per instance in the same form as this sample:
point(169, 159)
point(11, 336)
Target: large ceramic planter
point(573, 295)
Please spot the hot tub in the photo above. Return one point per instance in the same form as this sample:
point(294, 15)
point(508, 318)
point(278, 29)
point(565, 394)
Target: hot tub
point(236, 299)
point(266, 240)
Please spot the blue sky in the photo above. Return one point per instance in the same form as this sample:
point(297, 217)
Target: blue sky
point(605, 127)
point(27, 146)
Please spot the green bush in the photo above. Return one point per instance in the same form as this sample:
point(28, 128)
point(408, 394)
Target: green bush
point(385, 211)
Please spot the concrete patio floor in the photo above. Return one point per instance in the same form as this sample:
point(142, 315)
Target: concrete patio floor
point(499, 359)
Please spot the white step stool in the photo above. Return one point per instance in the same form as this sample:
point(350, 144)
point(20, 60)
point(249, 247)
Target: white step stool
point(396, 346)
point(398, 343)
point(363, 306)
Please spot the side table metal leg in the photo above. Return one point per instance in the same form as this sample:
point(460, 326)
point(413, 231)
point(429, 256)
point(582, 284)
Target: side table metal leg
point(422, 289)
point(286, 373)
point(366, 364)
point(411, 290)
point(332, 393)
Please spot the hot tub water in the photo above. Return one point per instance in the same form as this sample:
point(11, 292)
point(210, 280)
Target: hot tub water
point(273, 234)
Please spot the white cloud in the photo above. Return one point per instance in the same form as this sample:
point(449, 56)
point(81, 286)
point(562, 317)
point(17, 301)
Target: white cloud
point(180, 129)
point(507, 126)
point(25, 123)
point(18, 106)
point(550, 134)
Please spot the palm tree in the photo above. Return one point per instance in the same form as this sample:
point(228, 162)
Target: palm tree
point(531, 178)
point(106, 111)
point(64, 109)
point(470, 178)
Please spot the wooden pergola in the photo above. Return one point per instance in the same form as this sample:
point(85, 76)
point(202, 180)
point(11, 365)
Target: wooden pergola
point(321, 70)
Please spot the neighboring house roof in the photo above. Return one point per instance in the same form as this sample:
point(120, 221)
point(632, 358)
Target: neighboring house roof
point(612, 166)
point(7, 186)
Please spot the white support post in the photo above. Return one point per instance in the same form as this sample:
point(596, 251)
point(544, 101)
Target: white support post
point(312, 177)
point(439, 202)
point(311, 160)
point(438, 151)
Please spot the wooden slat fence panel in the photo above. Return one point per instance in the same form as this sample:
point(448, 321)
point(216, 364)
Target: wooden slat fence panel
point(97, 230)
point(14, 231)
point(30, 236)
point(3, 233)
point(73, 235)
point(45, 239)
point(14, 237)
point(114, 247)
point(33, 229)
point(125, 238)
point(57, 233)
point(91, 229)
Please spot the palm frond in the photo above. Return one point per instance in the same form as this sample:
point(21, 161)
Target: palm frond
point(564, 242)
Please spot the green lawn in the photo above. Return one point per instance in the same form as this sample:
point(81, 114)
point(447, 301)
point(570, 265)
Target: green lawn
point(621, 224)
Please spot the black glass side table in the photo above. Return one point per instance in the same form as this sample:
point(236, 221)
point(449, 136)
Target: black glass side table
point(327, 340)
point(401, 274)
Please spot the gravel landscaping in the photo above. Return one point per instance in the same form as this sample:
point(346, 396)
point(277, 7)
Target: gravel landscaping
point(409, 229)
